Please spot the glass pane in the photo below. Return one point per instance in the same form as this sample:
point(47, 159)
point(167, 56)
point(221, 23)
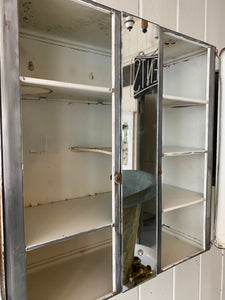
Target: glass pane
point(139, 149)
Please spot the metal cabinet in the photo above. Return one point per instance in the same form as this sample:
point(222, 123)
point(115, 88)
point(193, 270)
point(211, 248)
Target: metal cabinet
point(96, 172)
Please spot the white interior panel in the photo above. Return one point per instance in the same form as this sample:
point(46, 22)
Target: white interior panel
point(184, 171)
point(187, 222)
point(68, 64)
point(52, 172)
point(187, 78)
point(184, 126)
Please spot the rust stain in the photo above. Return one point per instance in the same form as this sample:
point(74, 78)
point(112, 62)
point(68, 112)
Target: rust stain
point(8, 24)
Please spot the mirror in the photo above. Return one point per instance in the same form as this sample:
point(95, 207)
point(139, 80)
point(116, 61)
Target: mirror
point(139, 149)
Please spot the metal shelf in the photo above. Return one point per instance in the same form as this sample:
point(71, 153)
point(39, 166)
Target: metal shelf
point(174, 197)
point(35, 88)
point(102, 150)
point(175, 101)
point(179, 151)
point(50, 223)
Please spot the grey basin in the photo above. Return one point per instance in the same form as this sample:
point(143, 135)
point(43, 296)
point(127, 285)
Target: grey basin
point(138, 187)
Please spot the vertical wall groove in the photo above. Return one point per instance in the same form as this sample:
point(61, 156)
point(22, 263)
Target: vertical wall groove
point(174, 282)
point(222, 268)
point(140, 8)
point(178, 16)
point(200, 279)
point(205, 25)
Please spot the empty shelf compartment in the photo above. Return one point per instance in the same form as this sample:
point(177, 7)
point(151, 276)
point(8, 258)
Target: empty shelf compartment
point(175, 249)
point(174, 197)
point(48, 223)
point(84, 277)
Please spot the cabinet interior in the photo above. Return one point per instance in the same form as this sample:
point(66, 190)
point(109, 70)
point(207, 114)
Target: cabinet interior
point(66, 97)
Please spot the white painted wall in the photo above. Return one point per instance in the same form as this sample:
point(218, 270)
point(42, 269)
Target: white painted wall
point(201, 278)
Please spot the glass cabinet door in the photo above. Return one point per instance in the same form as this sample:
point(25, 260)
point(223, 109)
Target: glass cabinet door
point(139, 149)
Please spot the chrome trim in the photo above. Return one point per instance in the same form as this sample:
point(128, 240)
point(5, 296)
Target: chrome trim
point(159, 158)
point(210, 93)
point(116, 157)
point(12, 154)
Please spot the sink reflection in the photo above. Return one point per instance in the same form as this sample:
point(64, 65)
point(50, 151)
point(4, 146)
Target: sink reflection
point(138, 187)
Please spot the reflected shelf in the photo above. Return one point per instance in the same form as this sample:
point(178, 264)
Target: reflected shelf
point(174, 197)
point(102, 150)
point(175, 101)
point(53, 222)
point(175, 249)
point(35, 88)
point(179, 151)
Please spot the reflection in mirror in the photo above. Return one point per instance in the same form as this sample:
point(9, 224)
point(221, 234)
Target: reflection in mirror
point(139, 142)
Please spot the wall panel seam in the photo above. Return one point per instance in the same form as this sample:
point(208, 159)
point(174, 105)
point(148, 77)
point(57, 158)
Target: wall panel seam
point(200, 279)
point(178, 16)
point(205, 20)
point(140, 8)
point(174, 283)
point(222, 268)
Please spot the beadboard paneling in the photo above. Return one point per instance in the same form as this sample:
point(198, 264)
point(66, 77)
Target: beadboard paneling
point(159, 288)
point(187, 280)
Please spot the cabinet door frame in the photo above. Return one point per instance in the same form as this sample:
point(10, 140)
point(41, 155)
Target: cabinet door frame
point(12, 168)
point(14, 266)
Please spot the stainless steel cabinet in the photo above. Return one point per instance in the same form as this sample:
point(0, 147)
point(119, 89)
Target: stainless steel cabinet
point(94, 171)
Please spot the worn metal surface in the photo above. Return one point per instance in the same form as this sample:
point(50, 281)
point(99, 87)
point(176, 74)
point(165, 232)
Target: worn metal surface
point(116, 150)
point(219, 199)
point(159, 158)
point(210, 98)
point(12, 154)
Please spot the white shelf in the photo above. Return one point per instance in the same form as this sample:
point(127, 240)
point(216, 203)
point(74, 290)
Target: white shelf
point(175, 101)
point(174, 197)
point(102, 150)
point(49, 223)
point(175, 249)
point(81, 277)
point(178, 151)
point(34, 88)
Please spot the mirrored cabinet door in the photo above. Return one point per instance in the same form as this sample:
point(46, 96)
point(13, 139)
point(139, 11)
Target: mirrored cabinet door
point(140, 134)
point(167, 117)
